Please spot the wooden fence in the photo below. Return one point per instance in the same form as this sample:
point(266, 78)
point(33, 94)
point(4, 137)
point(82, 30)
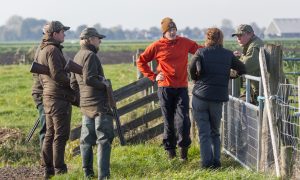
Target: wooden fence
point(125, 92)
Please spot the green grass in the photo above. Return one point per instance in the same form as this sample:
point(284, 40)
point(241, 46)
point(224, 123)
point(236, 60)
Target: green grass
point(141, 161)
point(17, 108)
point(149, 161)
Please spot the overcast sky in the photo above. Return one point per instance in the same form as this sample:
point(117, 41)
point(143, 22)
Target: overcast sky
point(142, 14)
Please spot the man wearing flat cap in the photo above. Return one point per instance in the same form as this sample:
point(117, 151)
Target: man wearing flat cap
point(251, 44)
point(171, 53)
point(250, 57)
point(56, 92)
point(97, 119)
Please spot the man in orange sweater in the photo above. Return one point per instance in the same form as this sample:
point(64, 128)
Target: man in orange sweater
point(171, 53)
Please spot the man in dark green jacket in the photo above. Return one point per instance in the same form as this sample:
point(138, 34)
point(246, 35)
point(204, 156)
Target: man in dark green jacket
point(97, 122)
point(56, 99)
point(250, 57)
point(251, 44)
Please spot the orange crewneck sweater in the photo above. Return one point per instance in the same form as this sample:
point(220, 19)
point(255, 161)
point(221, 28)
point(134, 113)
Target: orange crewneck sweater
point(172, 60)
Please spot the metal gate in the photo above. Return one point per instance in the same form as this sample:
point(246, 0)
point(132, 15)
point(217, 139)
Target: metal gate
point(241, 127)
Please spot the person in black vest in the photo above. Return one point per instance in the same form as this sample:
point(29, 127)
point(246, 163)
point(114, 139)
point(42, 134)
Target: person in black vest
point(210, 70)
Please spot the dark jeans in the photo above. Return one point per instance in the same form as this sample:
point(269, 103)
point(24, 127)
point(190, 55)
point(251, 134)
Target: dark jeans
point(174, 103)
point(58, 119)
point(96, 130)
point(42, 124)
point(207, 115)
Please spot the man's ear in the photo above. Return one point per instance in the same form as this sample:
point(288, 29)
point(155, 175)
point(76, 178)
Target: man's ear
point(54, 34)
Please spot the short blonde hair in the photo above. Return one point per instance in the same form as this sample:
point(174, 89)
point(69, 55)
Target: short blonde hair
point(213, 37)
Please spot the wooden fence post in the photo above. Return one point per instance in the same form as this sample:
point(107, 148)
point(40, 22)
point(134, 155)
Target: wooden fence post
point(193, 123)
point(269, 106)
point(276, 75)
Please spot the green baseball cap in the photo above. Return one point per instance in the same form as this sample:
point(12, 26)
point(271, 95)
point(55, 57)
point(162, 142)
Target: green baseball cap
point(242, 29)
point(90, 32)
point(54, 26)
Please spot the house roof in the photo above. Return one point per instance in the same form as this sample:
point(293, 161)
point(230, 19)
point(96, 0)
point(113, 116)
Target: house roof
point(284, 26)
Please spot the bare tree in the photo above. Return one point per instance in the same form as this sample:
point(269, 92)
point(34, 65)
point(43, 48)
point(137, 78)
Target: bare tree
point(227, 28)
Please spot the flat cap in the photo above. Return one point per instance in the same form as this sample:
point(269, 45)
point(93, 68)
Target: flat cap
point(242, 29)
point(90, 32)
point(54, 26)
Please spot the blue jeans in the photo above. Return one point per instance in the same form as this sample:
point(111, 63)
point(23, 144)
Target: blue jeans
point(42, 123)
point(207, 115)
point(96, 130)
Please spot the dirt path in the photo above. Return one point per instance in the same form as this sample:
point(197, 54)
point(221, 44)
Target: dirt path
point(21, 172)
point(17, 173)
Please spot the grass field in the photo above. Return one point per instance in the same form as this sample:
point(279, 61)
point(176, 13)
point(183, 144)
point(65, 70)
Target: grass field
point(290, 46)
point(141, 161)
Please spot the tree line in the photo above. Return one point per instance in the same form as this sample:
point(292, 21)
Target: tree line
point(30, 29)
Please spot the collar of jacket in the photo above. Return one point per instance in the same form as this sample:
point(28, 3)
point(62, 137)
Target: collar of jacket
point(214, 46)
point(50, 41)
point(250, 41)
point(167, 41)
point(90, 47)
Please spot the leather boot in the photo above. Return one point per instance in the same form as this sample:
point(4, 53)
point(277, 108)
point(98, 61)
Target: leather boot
point(184, 153)
point(88, 173)
point(171, 153)
point(61, 170)
point(48, 173)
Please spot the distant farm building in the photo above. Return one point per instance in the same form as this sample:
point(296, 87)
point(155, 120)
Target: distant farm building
point(284, 28)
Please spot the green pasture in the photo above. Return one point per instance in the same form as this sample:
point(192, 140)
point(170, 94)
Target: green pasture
point(17, 108)
point(291, 47)
point(140, 161)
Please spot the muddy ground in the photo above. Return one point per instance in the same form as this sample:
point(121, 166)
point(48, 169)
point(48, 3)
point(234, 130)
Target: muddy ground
point(21, 172)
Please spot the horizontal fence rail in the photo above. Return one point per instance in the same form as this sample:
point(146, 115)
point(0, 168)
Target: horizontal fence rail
point(294, 66)
point(123, 93)
point(290, 59)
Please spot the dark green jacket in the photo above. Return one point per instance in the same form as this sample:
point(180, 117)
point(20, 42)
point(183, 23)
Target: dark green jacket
point(251, 54)
point(93, 95)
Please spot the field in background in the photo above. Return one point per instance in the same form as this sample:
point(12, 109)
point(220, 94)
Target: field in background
point(143, 161)
point(115, 52)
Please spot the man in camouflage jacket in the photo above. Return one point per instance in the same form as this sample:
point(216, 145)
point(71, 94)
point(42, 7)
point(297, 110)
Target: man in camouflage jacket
point(251, 44)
